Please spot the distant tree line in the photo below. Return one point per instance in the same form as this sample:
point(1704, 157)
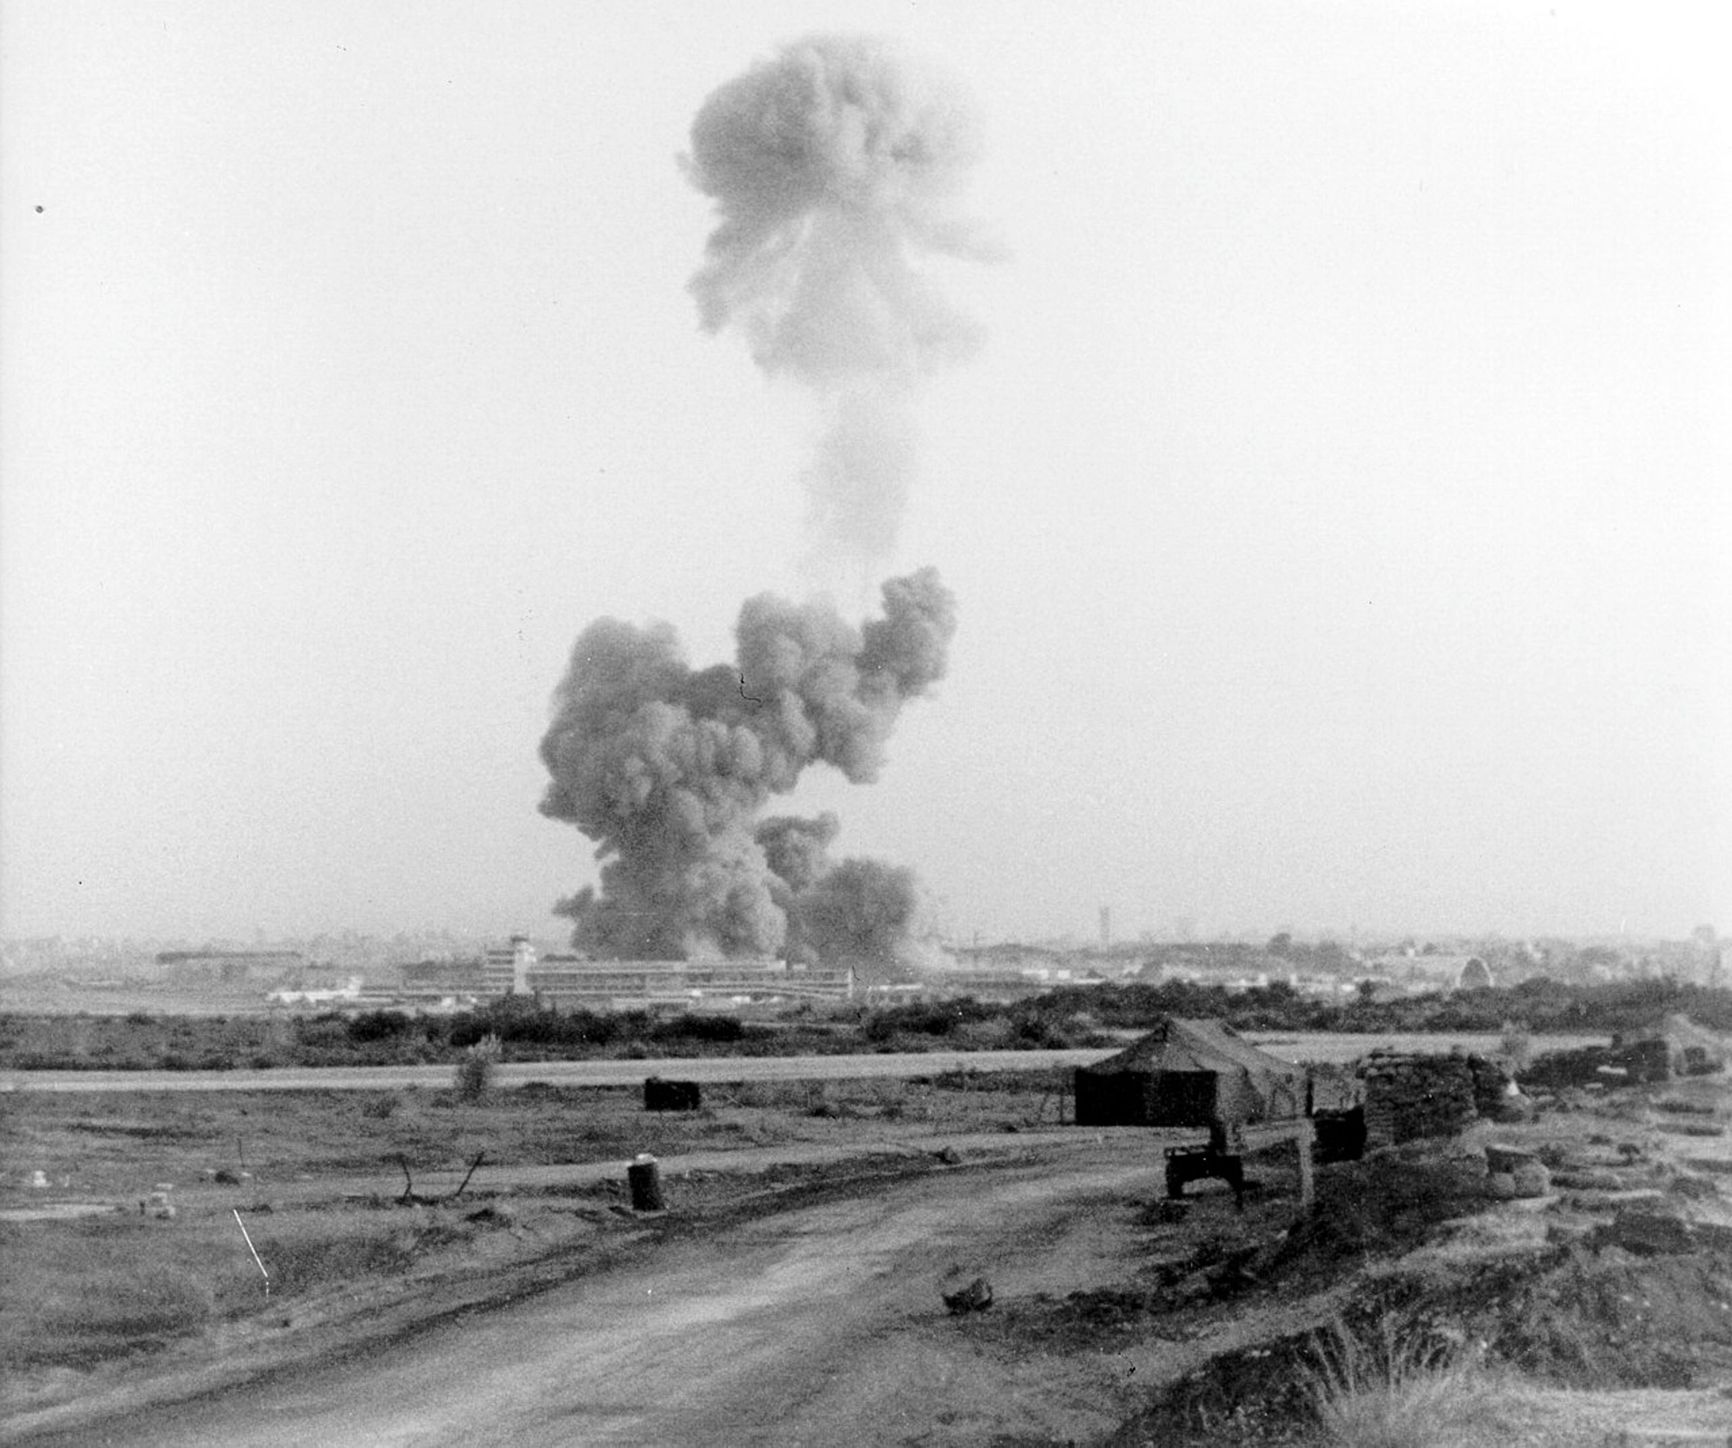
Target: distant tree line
point(1544, 1005)
point(1070, 1016)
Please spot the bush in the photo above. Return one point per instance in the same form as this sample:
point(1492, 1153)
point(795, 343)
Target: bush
point(523, 1023)
point(476, 1070)
point(329, 1032)
point(713, 1028)
point(921, 1018)
point(1517, 1045)
point(379, 1026)
point(1397, 1392)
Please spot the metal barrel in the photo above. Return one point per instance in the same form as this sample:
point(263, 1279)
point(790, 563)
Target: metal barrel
point(645, 1178)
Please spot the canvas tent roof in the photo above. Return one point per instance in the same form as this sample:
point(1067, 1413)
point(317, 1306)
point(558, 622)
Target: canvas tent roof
point(1274, 1087)
point(1182, 1045)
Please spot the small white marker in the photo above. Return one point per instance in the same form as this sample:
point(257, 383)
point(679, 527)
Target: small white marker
point(254, 1250)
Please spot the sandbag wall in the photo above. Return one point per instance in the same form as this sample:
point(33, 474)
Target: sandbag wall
point(1411, 1097)
point(1556, 1069)
point(1649, 1060)
point(1634, 1063)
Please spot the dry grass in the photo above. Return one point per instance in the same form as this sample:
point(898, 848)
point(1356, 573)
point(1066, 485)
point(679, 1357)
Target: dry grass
point(79, 1293)
point(98, 1289)
point(1396, 1391)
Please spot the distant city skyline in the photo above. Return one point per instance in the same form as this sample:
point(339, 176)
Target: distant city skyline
point(435, 940)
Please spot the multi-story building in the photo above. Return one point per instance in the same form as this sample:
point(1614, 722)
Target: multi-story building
point(571, 982)
point(505, 968)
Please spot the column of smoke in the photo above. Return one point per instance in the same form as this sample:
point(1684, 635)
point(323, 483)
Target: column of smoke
point(833, 166)
point(668, 768)
point(855, 911)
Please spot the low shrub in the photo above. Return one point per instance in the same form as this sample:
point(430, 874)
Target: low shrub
point(476, 1070)
point(924, 1018)
point(380, 1026)
point(383, 1106)
point(300, 1262)
point(1398, 1391)
point(699, 1027)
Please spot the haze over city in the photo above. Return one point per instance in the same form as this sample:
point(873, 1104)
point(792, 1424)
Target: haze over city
point(1332, 487)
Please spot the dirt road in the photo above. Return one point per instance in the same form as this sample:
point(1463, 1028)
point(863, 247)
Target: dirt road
point(871, 1066)
point(817, 1326)
point(1293, 1046)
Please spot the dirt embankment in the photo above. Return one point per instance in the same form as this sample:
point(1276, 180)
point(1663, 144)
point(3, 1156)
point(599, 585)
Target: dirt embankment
point(1602, 1307)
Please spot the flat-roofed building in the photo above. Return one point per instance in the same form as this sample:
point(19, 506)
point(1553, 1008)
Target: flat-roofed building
point(571, 982)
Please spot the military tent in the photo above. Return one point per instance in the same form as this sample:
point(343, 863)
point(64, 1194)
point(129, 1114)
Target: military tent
point(1189, 1073)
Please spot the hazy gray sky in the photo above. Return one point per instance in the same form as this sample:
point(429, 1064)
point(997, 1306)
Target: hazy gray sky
point(1338, 510)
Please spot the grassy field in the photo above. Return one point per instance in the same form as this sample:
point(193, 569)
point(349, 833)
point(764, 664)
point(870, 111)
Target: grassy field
point(319, 1177)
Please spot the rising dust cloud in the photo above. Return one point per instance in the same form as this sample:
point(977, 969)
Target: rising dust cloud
point(667, 769)
point(832, 166)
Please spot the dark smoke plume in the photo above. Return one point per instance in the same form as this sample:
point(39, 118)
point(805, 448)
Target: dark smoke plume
point(667, 768)
point(855, 912)
point(832, 166)
point(797, 849)
point(866, 914)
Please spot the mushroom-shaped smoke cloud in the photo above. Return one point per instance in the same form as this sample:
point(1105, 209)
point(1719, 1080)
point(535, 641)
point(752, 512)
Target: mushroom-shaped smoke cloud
point(831, 166)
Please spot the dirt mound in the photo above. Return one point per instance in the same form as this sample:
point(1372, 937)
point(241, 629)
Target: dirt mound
point(1379, 1207)
point(1642, 1302)
point(1608, 1318)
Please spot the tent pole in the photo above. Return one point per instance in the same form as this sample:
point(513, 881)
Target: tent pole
point(1303, 1136)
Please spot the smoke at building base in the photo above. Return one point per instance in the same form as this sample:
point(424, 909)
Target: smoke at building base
point(863, 913)
point(667, 769)
point(834, 166)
